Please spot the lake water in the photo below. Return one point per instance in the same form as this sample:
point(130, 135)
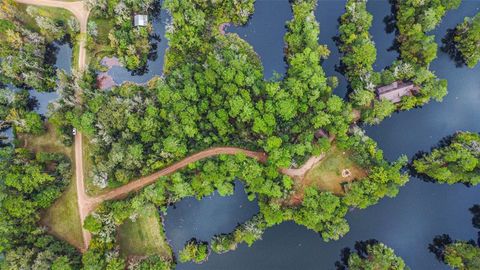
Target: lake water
point(265, 31)
point(64, 62)
point(203, 219)
point(407, 223)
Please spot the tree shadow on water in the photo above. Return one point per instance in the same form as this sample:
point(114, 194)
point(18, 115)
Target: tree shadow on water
point(438, 245)
point(475, 210)
point(53, 49)
point(390, 22)
point(360, 249)
point(450, 48)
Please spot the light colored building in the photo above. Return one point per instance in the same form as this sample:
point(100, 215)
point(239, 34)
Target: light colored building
point(140, 20)
point(395, 91)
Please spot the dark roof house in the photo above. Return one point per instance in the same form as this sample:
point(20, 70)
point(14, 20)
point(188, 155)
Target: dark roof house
point(395, 91)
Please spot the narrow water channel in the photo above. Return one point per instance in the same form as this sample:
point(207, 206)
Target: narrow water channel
point(265, 31)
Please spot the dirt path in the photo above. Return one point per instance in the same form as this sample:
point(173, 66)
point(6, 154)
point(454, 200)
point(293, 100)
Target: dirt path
point(147, 180)
point(81, 12)
point(300, 172)
point(82, 197)
point(90, 203)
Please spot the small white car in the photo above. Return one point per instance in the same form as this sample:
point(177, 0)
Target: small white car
point(74, 131)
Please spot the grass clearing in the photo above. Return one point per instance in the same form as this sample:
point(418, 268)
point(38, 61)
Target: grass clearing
point(62, 218)
point(145, 236)
point(327, 175)
point(56, 14)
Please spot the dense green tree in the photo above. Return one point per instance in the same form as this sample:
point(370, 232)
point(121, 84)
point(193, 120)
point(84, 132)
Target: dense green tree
point(23, 51)
point(467, 40)
point(194, 251)
point(16, 109)
point(462, 255)
point(414, 19)
point(131, 44)
point(322, 212)
point(28, 184)
point(371, 255)
point(457, 160)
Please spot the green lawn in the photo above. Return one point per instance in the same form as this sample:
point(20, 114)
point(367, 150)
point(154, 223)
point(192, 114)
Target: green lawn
point(62, 218)
point(57, 14)
point(145, 236)
point(327, 175)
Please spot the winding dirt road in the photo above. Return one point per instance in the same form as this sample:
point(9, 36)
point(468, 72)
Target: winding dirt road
point(138, 184)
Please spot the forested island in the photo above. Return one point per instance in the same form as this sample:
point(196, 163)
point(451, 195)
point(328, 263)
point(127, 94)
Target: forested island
point(210, 119)
point(467, 39)
point(456, 160)
point(459, 254)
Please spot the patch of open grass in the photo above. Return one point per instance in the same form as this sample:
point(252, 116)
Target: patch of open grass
point(327, 174)
point(62, 218)
point(56, 14)
point(145, 236)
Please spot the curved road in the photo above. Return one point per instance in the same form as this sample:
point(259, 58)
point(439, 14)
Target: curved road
point(138, 184)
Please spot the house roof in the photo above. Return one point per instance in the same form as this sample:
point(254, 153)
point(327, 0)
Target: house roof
point(140, 20)
point(395, 91)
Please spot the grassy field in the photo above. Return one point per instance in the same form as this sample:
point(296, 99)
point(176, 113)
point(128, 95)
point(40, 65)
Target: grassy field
point(62, 218)
point(56, 14)
point(327, 174)
point(145, 236)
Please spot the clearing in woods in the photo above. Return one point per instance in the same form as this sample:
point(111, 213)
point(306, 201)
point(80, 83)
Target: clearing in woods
point(326, 175)
point(145, 236)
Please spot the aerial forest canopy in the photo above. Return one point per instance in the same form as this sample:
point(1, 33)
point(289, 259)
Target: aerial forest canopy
point(456, 160)
point(212, 94)
point(16, 110)
point(413, 20)
point(467, 40)
point(370, 254)
point(25, 37)
point(112, 31)
point(28, 184)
